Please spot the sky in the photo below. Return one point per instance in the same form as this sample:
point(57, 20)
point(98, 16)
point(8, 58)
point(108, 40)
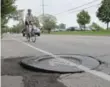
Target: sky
point(59, 8)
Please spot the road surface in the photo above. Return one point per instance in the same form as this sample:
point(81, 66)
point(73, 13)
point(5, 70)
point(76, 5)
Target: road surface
point(15, 47)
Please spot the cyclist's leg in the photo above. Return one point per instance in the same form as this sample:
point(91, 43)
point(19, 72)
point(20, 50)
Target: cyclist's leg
point(32, 28)
point(27, 27)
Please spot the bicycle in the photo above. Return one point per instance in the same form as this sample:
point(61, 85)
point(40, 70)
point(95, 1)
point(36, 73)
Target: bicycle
point(31, 35)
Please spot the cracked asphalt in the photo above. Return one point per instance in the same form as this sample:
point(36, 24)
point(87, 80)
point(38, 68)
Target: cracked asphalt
point(96, 46)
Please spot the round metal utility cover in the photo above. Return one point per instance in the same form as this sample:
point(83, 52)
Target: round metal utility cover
point(60, 64)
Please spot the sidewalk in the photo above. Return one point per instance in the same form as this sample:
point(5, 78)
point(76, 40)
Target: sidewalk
point(12, 81)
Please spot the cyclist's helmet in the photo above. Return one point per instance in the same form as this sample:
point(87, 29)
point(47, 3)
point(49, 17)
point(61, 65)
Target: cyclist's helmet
point(29, 10)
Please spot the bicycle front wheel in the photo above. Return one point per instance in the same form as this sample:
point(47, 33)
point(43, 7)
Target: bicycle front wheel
point(28, 37)
point(33, 37)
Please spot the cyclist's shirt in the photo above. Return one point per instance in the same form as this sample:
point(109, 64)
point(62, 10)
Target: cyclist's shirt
point(29, 18)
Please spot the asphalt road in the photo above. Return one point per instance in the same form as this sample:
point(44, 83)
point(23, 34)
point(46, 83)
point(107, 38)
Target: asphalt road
point(96, 46)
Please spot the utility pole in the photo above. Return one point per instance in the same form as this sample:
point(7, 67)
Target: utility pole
point(43, 7)
point(42, 13)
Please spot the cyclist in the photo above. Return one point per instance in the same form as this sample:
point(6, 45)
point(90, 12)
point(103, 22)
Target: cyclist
point(29, 20)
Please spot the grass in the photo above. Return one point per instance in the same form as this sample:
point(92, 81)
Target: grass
point(100, 33)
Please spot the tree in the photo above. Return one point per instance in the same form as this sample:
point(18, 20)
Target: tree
point(7, 7)
point(96, 27)
point(48, 21)
point(5, 29)
point(18, 15)
point(104, 12)
point(57, 26)
point(17, 28)
point(83, 18)
point(62, 26)
point(36, 21)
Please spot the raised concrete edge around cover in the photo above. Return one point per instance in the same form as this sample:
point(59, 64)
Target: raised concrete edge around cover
point(84, 60)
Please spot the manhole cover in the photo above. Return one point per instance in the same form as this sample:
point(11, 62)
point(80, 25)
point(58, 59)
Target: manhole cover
point(61, 64)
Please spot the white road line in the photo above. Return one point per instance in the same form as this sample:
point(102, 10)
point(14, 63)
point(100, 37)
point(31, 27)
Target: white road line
point(94, 72)
point(6, 39)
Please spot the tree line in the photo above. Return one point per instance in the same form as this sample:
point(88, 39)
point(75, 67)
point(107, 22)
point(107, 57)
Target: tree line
point(103, 15)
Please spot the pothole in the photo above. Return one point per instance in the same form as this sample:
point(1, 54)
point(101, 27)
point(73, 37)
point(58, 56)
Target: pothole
point(60, 64)
point(11, 67)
